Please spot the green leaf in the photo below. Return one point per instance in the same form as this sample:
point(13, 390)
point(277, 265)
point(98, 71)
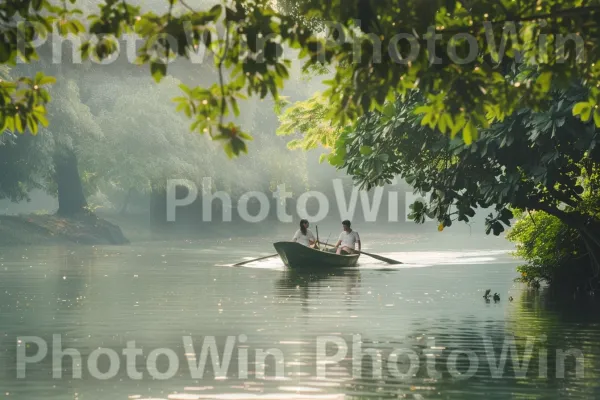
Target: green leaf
point(586, 114)
point(46, 80)
point(456, 125)
point(10, 123)
point(234, 106)
point(423, 110)
point(158, 70)
point(62, 28)
point(216, 11)
point(583, 109)
point(78, 26)
point(366, 150)
point(389, 110)
point(43, 120)
point(337, 159)
point(245, 136)
point(32, 125)
point(443, 122)
point(18, 123)
point(470, 132)
point(544, 81)
point(228, 147)
point(578, 108)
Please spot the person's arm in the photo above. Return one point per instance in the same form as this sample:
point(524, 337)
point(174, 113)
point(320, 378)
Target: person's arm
point(311, 238)
point(358, 240)
point(295, 238)
point(339, 240)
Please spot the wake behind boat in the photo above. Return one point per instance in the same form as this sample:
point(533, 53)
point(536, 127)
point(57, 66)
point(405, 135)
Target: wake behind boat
point(296, 255)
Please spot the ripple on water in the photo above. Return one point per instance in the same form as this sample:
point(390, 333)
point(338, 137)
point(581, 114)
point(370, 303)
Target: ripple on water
point(429, 310)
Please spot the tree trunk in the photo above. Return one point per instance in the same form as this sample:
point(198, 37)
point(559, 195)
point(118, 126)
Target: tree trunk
point(71, 200)
point(158, 207)
point(126, 202)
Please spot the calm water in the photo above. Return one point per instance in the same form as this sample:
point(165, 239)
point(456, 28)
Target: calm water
point(426, 319)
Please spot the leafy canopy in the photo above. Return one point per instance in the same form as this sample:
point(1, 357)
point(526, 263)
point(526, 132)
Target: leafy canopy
point(466, 90)
point(535, 160)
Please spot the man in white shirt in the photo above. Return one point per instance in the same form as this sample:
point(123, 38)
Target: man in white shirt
point(347, 240)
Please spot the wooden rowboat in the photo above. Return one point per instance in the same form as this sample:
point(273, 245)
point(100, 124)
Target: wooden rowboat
point(295, 255)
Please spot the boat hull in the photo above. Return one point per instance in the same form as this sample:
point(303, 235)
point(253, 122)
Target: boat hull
point(295, 255)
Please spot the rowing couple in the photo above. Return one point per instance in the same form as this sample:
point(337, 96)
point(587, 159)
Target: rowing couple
point(346, 243)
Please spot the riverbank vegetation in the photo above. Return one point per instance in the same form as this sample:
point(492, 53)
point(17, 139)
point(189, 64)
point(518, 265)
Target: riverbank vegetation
point(45, 229)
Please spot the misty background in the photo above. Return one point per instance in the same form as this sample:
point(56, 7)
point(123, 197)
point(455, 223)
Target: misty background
point(129, 140)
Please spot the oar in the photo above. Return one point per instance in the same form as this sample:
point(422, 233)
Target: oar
point(256, 259)
point(381, 258)
point(327, 241)
point(375, 256)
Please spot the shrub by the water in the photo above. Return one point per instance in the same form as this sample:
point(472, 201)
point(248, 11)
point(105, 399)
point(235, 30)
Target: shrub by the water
point(554, 252)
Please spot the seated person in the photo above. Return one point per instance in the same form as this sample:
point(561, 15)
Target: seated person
point(347, 241)
point(304, 236)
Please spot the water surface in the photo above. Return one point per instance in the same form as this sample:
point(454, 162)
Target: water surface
point(156, 294)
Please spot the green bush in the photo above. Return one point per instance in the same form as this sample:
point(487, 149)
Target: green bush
point(553, 251)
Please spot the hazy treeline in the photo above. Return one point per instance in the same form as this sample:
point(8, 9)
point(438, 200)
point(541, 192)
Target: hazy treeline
point(122, 132)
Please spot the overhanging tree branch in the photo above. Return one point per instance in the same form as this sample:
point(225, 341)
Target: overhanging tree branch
point(571, 12)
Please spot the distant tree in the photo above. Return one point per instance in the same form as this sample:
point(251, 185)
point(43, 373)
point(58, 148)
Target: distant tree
point(73, 129)
point(146, 142)
point(23, 166)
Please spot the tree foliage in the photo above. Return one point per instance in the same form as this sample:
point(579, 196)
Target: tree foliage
point(549, 246)
point(245, 39)
point(545, 163)
point(307, 120)
point(532, 160)
point(22, 165)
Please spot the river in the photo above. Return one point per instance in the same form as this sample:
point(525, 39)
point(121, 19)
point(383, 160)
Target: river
point(136, 319)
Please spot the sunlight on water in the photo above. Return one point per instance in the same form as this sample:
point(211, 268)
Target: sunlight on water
point(276, 396)
point(430, 308)
point(412, 259)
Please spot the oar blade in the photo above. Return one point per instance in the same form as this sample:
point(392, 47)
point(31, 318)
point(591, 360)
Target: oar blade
point(384, 259)
point(375, 256)
point(255, 259)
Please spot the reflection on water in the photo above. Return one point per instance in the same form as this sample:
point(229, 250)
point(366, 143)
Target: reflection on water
point(302, 286)
point(423, 328)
